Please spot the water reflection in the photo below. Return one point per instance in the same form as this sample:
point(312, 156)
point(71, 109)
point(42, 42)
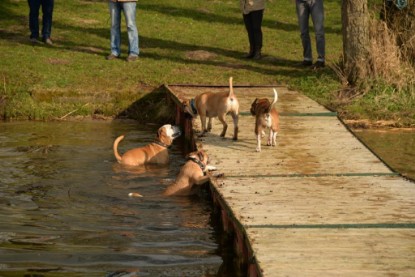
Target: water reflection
point(395, 147)
point(64, 206)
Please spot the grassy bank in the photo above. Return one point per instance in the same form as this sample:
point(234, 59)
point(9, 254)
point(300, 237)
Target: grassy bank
point(182, 41)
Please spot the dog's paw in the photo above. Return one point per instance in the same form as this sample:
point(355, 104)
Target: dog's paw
point(211, 168)
point(218, 175)
point(258, 149)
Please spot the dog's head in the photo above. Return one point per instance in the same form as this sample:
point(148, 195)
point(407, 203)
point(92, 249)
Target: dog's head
point(260, 106)
point(189, 107)
point(167, 133)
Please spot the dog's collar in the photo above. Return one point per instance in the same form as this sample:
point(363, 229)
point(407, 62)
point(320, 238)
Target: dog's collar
point(192, 106)
point(161, 144)
point(199, 163)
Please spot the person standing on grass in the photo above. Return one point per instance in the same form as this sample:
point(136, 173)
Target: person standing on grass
point(47, 11)
point(253, 11)
point(315, 8)
point(128, 7)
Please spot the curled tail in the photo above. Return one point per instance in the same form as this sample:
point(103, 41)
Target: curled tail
point(115, 148)
point(275, 97)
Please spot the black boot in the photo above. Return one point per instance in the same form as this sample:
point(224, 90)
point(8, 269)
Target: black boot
point(250, 55)
point(257, 54)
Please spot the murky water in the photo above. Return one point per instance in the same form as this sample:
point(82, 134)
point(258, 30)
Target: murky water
point(395, 147)
point(65, 210)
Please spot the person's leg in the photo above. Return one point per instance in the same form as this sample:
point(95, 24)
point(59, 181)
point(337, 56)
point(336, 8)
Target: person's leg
point(115, 12)
point(248, 26)
point(47, 10)
point(257, 32)
point(34, 6)
point(129, 9)
point(303, 13)
point(317, 15)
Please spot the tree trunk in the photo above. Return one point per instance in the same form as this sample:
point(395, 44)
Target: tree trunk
point(356, 54)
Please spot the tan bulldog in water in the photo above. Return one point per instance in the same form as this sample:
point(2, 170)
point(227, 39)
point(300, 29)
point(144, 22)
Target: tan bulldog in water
point(153, 153)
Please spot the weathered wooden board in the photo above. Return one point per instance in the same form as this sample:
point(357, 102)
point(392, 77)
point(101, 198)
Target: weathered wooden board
point(335, 252)
point(305, 145)
point(288, 101)
point(324, 200)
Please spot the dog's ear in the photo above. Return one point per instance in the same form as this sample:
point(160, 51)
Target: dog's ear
point(159, 131)
point(253, 107)
point(201, 155)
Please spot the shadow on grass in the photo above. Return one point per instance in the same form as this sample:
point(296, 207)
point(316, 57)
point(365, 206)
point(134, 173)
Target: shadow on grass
point(210, 17)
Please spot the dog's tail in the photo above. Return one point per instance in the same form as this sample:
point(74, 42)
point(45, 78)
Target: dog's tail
point(134, 194)
point(231, 93)
point(275, 97)
point(115, 148)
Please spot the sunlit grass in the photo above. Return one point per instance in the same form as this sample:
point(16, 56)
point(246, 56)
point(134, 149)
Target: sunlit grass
point(47, 82)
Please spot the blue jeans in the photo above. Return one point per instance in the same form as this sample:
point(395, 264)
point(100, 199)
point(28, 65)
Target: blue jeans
point(47, 10)
point(129, 10)
point(315, 8)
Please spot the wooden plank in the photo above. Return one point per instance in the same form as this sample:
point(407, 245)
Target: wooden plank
point(288, 101)
point(319, 200)
point(334, 252)
point(306, 145)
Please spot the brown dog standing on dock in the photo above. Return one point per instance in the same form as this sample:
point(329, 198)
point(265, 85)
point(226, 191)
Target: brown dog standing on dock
point(210, 105)
point(191, 173)
point(155, 152)
point(265, 117)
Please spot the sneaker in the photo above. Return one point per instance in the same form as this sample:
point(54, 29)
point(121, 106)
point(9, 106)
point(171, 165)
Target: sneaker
point(34, 40)
point(48, 41)
point(306, 63)
point(132, 58)
point(318, 64)
point(111, 57)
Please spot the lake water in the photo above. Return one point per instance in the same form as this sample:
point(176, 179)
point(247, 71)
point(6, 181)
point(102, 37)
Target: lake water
point(395, 147)
point(65, 210)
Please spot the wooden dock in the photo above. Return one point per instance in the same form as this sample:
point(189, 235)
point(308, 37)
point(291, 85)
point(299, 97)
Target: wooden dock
point(318, 204)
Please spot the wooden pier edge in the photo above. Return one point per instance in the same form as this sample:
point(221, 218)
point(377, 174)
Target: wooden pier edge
point(357, 216)
point(230, 224)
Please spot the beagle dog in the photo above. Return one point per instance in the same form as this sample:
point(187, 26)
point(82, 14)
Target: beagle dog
point(265, 117)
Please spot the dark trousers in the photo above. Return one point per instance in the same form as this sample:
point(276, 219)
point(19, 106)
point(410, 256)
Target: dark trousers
point(47, 10)
point(253, 22)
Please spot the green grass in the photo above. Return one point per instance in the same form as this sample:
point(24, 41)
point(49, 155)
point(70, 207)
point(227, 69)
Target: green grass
point(39, 82)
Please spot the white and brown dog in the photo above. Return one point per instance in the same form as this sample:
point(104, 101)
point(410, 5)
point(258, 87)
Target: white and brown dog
point(191, 173)
point(210, 105)
point(265, 117)
point(153, 153)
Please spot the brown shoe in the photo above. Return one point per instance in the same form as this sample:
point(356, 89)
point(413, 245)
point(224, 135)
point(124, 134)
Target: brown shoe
point(132, 58)
point(111, 57)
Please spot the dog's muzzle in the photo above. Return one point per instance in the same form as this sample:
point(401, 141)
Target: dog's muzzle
point(176, 131)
